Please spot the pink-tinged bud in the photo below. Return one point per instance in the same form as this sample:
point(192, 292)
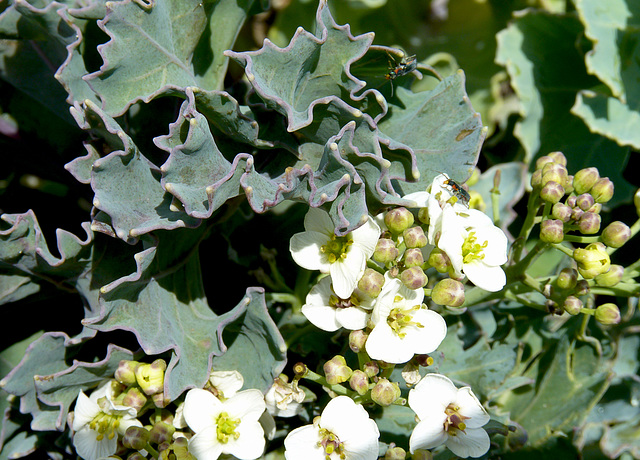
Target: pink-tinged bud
point(602, 190)
point(448, 292)
point(536, 179)
point(371, 282)
point(439, 260)
point(558, 157)
point(568, 185)
point(567, 278)
point(571, 201)
point(592, 260)
point(552, 192)
point(585, 201)
point(126, 372)
point(554, 172)
point(371, 368)
point(159, 400)
point(134, 398)
point(612, 277)
point(584, 179)
point(542, 161)
point(582, 288)
point(414, 237)
point(162, 432)
point(414, 278)
point(395, 453)
point(357, 339)
point(385, 392)
point(398, 220)
point(572, 305)
point(385, 251)
point(608, 313)
point(561, 211)
point(359, 382)
point(589, 223)
point(616, 234)
point(596, 208)
point(136, 438)
point(551, 231)
point(413, 258)
point(336, 370)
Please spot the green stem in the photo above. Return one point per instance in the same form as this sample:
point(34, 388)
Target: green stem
point(154, 453)
point(581, 239)
point(338, 389)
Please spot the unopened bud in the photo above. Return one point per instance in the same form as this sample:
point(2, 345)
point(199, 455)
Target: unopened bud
point(602, 190)
point(612, 277)
point(424, 360)
point(126, 372)
point(150, 377)
point(561, 211)
point(582, 288)
point(385, 251)
point(336, 370)
point(558, 157)
point(616, 234)
point(359, 382)
point(411, 373)
point(159, 400)
point(385, 392)
point(584, 179)
point(448, 292)
point(551, 231)
point(357, 340)
point(398, 220)
point(134, 398)
point(413, 258)
point(371, 368)
point(414, 237)
point(552, 192)
point(592, 260)
point(136, 438)
point(162, 432)
point(572, 305)
point(395, 453)
point(414, 278)
point(554, 172)
point(608, 313)
point(636, 201)
point(371, 282)
point(567, 278)
point(439, 260)
point(543, 160)
point(585, 201)
point(589, 223)
point(536, 179)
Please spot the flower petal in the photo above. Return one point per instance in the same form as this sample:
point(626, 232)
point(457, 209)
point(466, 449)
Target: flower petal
point(430, 397)
point(323, 317)
point(318, 220)
point(303, 443)
point(204, 445)
point(352, 318)
point(428, 433)
point(472, 442)
point(84, 412)
point(346, 273)
point(366, 237)
point(425, 339)
point(201, 409)
point(491, 279)
point(384, 344)
point(250, 444)
point(88, 447)
point(305, 250)
point(471, 407)
point(246, 405)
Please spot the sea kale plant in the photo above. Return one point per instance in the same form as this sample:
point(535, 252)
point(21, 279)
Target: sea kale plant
point(236, 229)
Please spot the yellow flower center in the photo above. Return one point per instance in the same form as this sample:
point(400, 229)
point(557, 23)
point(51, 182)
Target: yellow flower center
point(455, 420)
point(400, 318)
point(330, 444)
point(471, 249)
point(337, 302)
point(337, 247)
point(105, 424)
point(226, 427)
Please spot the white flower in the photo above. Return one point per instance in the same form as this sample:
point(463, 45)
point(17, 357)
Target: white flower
point(97, 422)
point(403, 326)
point(324, 309)
point(284, 399)
point(225, 427)
point(448, 415)
point(343, 257)
point(226, 383)
point(343, 431)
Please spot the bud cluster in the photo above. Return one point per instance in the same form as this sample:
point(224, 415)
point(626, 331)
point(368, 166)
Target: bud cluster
point(141, 382)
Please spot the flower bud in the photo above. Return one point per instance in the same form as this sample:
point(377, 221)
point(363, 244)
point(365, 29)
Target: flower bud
point(592, 260)
point(371, 368)
point(150, 377)
point(136, 456)
point(359, 382)
point(448, 292)
point(568, 185)
point(596, 208)
point(616, 234)
point(608, 313)
point(336, 370)
point(542, 161)
point(552, 192)
point(610, 278)
point(636, 201)
point(602, 190)
point(398, 220)
point(411, 373)
point(561, 211)
point(554, 172)
point(582, 288)
point(357, 339)
point(134, 398)
point(536, 179)
point(589, 223)
point(126, 372)
point(162, 432)
point(567, 278)
point(395, 453)
point(159, 400)
point(413, 258)
point(423, 216)
point(414, 237)
point(584, 179)
point(371, 282)
point(424, 360)
point(572, 305)
point(385, 251)
point(414, 278)
point(551, 231)
point(385, 392)
point(439, 260)
point(558, 157)
point(585, 201)
point(136, 438)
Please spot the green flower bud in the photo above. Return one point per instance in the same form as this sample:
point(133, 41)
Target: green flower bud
point(616, 234)
point(542, 161)
point(162, 432)
point(423, 216)
point(584, 179)
point(552, 192)
point(159, 400)
point(568, 185)
point(398, 220)
point(371, 368)
point(554, 172)
point(536, 179)
point(596, 208)
point(136, 438)
point(567, 278)
point(585, 201)
point(439, 260)
point(385, 251)
point(558, 157)
point(357, 339)
point(134, 398)
point(608, 313)
point(592, 260)
point(582, 288)
point(414, 278)
point(413, 258)
point(150, 377)
point(126, 372)
point(602, 190)
point(612, 277)
point(136, 456)
point(571, 201)
point(448, 292)
point(336, 370)
point(551, 231)
point(636, 201)
point(572, 305)
point(589, 223)
point(359, 382)
point(385, 392)
point(561, 212)
point(414, 237)
point(371, 282)
point(395, 453)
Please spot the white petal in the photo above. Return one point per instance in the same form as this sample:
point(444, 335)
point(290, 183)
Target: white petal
point(228, 382)
point(366, 237)
point(305, 250)
point(471, 407)
point(322, 317)
point(491, 279)
point(89, 448)
point(318, 220)
point(201, 409)
point(346, 273)
point(426, 339)
point(204, 445)
point(430, 397)
point(342, 416)
point(250, 444)
point(303, 443)
point(419, 198)
point(364, 444)
point(84, 412)
point(246, 405)
point(352, 318)
point(473, 442)
point(428, 433)
point(386, 345)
